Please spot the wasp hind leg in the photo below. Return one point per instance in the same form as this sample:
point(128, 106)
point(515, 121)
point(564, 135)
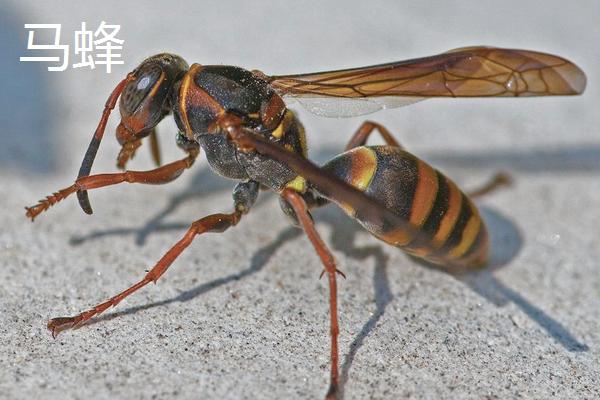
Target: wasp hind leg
point(296, 201)
point(497, 181)
point(362, 134)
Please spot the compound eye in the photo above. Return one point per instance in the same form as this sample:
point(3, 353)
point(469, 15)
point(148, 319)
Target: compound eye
point(136, 91)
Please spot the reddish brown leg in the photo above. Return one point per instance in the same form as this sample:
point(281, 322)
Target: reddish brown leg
point(361, 136)
point(497, 181)
point(211, 223)
point(299, 206)
point(127, 152)
point(160, 175)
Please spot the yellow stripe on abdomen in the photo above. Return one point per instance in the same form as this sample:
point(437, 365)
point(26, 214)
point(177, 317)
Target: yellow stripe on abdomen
point(425, 194)
point(363, 167)
point(449, 220)
point(468, 236)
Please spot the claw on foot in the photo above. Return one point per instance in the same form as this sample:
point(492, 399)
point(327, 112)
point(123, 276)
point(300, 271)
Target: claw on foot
point(34, 211)
point(336, 270)
point(503, 179)
point(57, 325)
point(49, 201)
point(127, 152)
point(332, 393)
point(499, 180)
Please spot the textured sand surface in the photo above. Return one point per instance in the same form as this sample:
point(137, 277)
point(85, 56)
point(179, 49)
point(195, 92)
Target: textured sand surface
point(242, 315)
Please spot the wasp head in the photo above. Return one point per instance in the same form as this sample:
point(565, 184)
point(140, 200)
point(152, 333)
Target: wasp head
point(146, 98)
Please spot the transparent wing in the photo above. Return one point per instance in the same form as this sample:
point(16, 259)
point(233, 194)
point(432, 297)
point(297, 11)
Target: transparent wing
point(341, 107)
point(465, 72)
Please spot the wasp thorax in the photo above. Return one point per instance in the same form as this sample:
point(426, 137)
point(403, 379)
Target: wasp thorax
point(210, 91)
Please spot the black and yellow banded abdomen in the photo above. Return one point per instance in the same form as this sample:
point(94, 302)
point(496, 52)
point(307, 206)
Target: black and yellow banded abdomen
point(420, 194)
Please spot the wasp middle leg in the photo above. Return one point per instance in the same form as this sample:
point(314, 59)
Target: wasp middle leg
point(244, 196)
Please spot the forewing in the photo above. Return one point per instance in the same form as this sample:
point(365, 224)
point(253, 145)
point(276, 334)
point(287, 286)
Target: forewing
point(466, 72)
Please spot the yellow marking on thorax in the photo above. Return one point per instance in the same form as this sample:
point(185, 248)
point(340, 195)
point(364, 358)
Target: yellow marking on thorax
point(297, 184)
point(283, 125)
point(302, 136)
point(183, 92)
point(278, 132)
point(289, 147)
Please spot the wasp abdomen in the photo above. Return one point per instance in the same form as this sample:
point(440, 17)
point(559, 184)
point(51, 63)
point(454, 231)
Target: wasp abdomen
point(420, 194)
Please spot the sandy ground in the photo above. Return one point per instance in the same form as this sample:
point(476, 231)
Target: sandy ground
point(242, 315)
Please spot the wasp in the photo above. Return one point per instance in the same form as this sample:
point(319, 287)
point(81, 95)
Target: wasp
point(240, 120)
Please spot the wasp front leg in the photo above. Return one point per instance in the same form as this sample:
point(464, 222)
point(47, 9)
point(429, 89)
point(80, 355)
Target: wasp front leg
point(161, 175)
point(131, 142)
